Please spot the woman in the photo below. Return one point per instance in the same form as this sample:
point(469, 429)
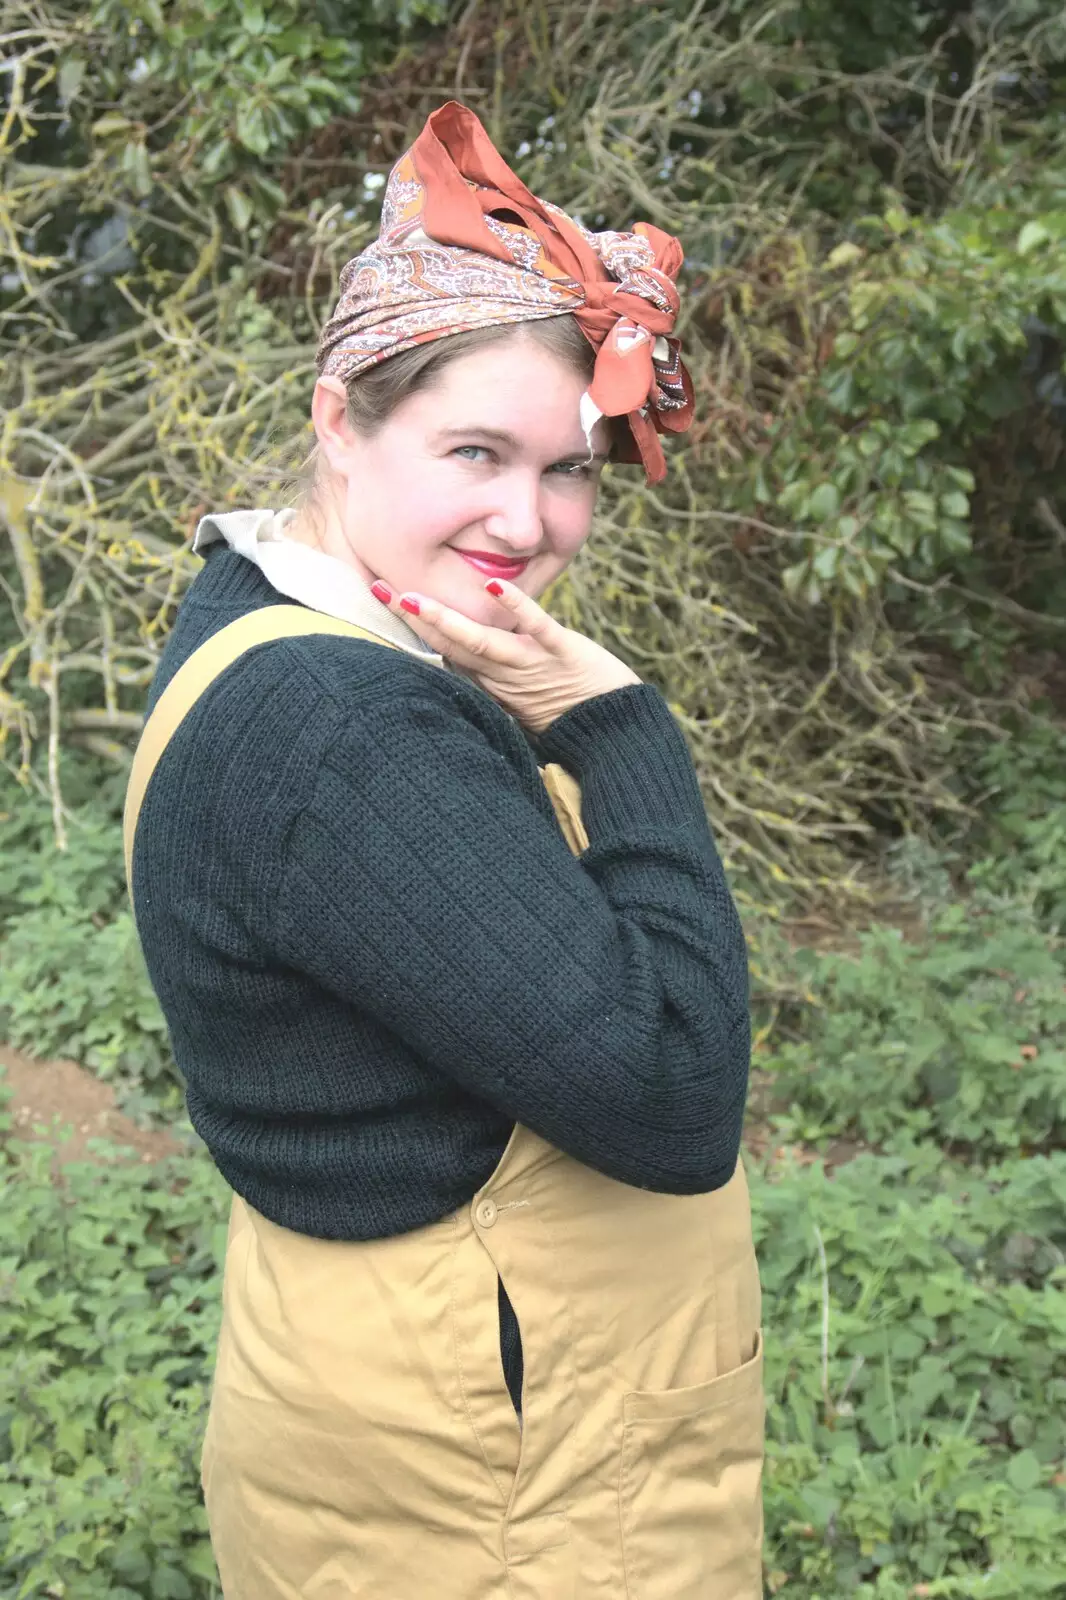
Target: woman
point(427, 892)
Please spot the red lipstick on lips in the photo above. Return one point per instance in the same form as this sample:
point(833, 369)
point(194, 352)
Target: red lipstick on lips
point(495, 566)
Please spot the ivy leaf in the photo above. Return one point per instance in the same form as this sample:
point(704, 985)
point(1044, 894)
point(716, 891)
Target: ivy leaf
point(1024, 1471)
point(824, 502)
point(239, 207)
point(110, 123)
point(844, 255)
point(252, 17)
point(825, 562)
point(71, 77)
point(1031, 236)
point(252, 128)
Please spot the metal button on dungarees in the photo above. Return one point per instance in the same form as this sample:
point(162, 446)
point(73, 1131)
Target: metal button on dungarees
point(486, 1213)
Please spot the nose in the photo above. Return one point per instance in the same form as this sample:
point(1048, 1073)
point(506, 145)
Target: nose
point(515, 518)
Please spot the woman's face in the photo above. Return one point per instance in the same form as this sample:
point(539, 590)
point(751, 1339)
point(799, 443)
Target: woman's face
point(490, 458)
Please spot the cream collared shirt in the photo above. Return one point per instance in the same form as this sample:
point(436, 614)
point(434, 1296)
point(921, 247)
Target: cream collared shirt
point(307, 575)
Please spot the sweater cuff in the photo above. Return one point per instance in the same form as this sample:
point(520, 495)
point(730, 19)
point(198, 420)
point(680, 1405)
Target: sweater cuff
point(629, 756)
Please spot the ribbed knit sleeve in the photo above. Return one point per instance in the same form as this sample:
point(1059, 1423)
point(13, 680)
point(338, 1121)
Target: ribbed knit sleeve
point(601, 1001)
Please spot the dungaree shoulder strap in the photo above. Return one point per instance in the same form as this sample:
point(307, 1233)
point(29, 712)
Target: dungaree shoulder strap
point(564, 792)
point(197, 674)
point(212, 658)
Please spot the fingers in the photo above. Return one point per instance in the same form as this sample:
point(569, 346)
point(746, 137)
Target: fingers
point(531, 617)
point(451, 633)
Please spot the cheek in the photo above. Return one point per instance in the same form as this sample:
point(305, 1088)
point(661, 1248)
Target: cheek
point(571, 524)
point(567, 527)
point(408, 508)
point(420, 517)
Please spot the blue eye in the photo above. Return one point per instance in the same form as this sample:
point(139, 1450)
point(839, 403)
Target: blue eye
point(576, 470)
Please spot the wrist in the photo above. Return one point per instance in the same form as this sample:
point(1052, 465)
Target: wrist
point(629, 681)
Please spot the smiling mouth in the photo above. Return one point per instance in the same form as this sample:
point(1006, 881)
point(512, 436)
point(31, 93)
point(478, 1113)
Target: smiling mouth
point(494, 565)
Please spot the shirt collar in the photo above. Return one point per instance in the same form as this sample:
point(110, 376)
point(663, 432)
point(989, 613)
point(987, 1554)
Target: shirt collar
point(309, 576)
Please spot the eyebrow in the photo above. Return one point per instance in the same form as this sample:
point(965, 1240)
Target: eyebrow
point(502, 436)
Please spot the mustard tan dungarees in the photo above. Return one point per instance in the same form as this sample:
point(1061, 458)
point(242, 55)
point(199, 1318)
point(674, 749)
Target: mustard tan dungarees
point(361, 1441)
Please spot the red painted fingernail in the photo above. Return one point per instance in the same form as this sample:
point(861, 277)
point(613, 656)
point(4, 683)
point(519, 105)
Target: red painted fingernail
point(410, 605)
point(382, 592)
point(493, 587)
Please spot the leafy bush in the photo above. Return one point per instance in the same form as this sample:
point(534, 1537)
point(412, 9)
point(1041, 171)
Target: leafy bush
point(916, 1316)
point(958, 1034)
point(1018, 783)
point(72, 977)
point(240, 83)
point(928, 354)
point(70, 988)
point(956, 1031)
point(33, 874)
point(108, 1319)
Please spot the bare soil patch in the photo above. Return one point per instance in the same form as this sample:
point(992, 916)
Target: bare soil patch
point(66, 1105)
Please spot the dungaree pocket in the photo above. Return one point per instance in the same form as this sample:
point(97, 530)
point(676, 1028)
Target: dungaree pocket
point(691, 1488)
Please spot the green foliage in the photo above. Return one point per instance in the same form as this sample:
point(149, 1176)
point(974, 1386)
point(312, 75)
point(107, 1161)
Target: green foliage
point(956, 1030)
point(242, 81)
point(72, 977)
point(957, 1034)
point(916, 1383)
point(1018, 782)
point(34, 875)
point(69, 988)
point(928, 358)
point(108, 1319)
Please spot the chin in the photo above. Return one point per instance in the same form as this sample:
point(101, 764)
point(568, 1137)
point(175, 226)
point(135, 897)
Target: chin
point(494, 615)
point(479, 607)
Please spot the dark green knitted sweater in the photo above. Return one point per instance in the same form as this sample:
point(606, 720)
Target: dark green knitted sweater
point(375, 951)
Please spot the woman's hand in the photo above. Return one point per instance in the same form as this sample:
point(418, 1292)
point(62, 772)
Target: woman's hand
point(536, 673)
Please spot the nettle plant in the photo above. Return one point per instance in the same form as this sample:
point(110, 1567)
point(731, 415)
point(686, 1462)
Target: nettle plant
point(108, 1320)
point(72, 977)
point(915, 1316)
point(956, 1030)
point(957, 1034)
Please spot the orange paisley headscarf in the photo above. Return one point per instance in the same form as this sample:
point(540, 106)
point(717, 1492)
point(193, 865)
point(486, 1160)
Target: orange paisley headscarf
point(464, 244)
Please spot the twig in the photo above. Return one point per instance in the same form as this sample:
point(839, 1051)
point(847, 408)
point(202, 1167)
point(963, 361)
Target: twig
point(1049, 517)
point(827, 1398)
point(58, 819)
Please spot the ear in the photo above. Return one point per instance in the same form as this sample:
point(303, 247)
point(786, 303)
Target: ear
point(329, 413)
